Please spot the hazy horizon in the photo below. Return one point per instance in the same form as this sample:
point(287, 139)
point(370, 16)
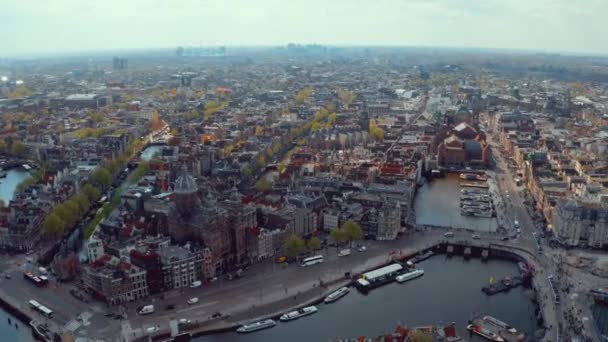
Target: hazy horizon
point(56, 27)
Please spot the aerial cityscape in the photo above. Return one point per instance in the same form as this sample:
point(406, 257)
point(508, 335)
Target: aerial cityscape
point(302, 191)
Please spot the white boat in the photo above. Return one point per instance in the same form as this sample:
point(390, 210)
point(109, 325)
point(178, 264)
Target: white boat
point(334, 296)
point(409, 276)
point(481, 331)
point(309, 310)
point(500, 324)
point(251, 327)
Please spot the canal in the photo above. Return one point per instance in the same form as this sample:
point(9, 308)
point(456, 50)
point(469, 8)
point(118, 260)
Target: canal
point(150, 151)
point(449, 291)
point(8, 184)
point(442, 195)
point(12, 329)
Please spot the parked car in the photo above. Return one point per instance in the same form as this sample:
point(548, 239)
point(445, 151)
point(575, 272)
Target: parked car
point(153, 329)
point(170, 307)
point(344, 252)
point(475, 237)
point(193, 300)
point(196, 283)
point(183, 321)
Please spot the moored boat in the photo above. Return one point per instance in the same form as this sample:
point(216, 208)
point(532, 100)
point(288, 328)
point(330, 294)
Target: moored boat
point(251, 327)
point(484, 332)
point(334, 296)
point(309, 310)
point(409, 276)
point(500, 324)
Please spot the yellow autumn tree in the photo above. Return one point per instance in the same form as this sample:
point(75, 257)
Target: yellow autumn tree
point(157, 123)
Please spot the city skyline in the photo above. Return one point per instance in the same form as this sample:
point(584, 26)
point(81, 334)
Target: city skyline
point(68, 26)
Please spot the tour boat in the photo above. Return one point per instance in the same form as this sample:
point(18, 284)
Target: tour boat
point(500, 324)
point(309, 310)
point(481, 331)
point(334, 296)
point(409, 276)
point(251, 327)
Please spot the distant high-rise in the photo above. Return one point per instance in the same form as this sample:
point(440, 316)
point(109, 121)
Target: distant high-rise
point(119, 63)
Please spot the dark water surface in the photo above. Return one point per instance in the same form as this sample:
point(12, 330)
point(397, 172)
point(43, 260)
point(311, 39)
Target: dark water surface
point(449, 291)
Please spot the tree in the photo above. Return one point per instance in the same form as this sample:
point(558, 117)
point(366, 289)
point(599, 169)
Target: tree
point(293, 246)
point(157, 123)
point(91, 192)
point(346, 97)
point(82, 201)
point(260, 161)
point(3, 147)
point(53, 225)
point(18, 148)
point(67, 215)
point(263, 185)
point(314, 243)
point(337, 235)
point(2, 204)
point(247, 172)
point(102, 177)
point(375, 132)
point(303, 95)
point(352, 231)
point(20, 92)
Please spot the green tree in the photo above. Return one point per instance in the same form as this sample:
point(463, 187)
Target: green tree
point(337, 235)
point(352, 231)
point(82, 201)
point(91, 192)
point(74, 208)
point(293, 246)
point(314, 243)
point(303, 95)
point(247, 172)
point(263, 185)
point(66, 214)
point(18, 148)
point(260, 161)
point(54, 225)
point(102, 177)
point(20, 92)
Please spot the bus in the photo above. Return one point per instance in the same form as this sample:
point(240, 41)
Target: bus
point(41, 308)
point(317, 259)
point(34, 279)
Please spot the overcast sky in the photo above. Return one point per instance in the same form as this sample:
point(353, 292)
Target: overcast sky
point(35, 26)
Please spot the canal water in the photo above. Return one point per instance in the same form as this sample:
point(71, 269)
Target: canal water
point(9, 183)
point(149, 151)
point(438, 204)
point(14, 330)
point(449, 291)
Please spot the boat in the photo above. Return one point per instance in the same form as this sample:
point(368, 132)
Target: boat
point(378, 277)
point(251, 327)
point(500, 324)
point(309, 310)
point(484, 332)
point(409, 276)
point(334, 296)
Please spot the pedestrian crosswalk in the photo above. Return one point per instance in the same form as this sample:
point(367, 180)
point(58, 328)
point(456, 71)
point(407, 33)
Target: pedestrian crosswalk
point(72, 325)
point(76, 323)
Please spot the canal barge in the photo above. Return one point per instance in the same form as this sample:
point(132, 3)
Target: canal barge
point(378, 277)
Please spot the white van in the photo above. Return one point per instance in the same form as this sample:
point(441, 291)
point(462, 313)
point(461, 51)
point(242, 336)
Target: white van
point(344, 252)
point(148, 309)
point(516, 224)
